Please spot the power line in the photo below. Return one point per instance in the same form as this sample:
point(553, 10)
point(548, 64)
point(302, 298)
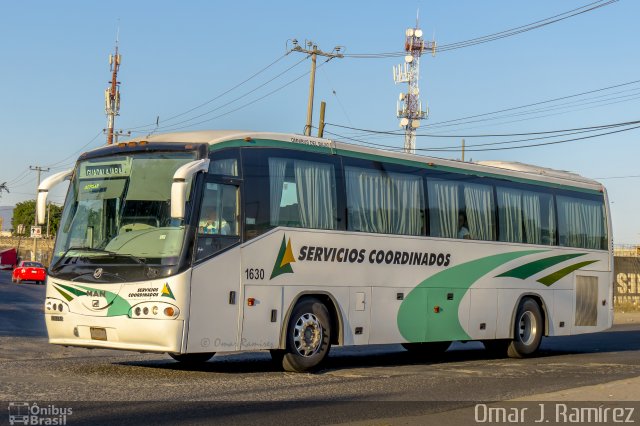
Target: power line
point(170, 126)
point(433, 135)
point(494, 149)
point(498, 35)
point(251, 77)
point(246, 104)
point(52, 165)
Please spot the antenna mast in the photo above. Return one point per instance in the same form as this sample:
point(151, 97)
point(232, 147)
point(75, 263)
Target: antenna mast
point(409, 107)
point(112, 93)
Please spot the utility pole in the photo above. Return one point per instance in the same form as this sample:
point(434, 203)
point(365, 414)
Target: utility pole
point(112, 94)
point(312, 49)
point(409, 108)
point(462, 150)
point(323, 107)
point(38, 171)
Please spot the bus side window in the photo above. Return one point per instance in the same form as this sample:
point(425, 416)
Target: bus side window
point(460, 208)
point(581, 222)
point(383, 199)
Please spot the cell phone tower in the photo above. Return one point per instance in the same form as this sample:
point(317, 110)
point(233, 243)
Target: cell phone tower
point(409, 107)
point(112, 94)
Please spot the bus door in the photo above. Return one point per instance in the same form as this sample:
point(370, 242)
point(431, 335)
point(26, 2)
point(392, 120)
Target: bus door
point(215, 282)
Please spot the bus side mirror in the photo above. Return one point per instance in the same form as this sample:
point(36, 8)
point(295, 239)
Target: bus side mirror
point(43, 192)
point(179, 185)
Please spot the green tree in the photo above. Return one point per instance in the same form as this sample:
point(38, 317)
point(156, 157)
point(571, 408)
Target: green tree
point(24, 213)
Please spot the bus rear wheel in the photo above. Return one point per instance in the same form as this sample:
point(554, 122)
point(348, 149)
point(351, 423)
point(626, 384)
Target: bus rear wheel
point(528, 330)
point(193, 358)
point(308, 336)
point(427, 349)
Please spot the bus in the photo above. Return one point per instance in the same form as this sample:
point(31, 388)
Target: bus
point(205, 242)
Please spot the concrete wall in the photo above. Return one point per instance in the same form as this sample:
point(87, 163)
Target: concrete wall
point(24, 247)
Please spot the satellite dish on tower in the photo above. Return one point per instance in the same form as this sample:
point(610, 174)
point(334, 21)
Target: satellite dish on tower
point(415, 123)
point(409, 32)
point(418, 33)
point(408, 59)
point(404, 122)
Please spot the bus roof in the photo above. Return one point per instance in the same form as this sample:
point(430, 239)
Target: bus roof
point(492, 168)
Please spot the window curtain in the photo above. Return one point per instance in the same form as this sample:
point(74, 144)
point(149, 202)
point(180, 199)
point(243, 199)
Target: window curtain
point(552, 222)
point(443, 208)
point(479, 203)
point(277, 168)
point(316, 194)
point(510, 204)
point(390, 203)
point(226, 166)
point(581, 222)
point(532, 217)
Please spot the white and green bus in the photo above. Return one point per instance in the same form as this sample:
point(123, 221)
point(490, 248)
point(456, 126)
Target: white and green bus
point(208, 242)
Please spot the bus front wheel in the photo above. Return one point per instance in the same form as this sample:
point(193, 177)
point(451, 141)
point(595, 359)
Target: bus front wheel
point(193, 358)
point(528, 329)
point(308, 336)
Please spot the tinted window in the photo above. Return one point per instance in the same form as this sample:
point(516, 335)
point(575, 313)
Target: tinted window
point(461, 208)
point(218, 225)
point(581, 222)
point(225, 162)
point(384, 201)
point(526, 216)
point(290, 188)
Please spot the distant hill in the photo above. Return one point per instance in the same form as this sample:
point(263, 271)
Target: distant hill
point(6, 213)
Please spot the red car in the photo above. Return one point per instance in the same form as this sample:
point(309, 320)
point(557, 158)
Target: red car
point(29, 271)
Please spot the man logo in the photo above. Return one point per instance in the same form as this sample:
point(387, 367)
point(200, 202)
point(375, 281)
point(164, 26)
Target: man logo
point(95, 303)
point(284, 260)
point(97, 273)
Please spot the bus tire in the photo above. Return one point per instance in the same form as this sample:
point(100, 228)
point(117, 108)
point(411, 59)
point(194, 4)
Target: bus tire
point(308, 336)
point(198, 358)
point(427, 349)
point(528, 329)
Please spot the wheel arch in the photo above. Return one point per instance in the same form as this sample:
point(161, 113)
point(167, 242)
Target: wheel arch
point(543, 308)
point(335, 314)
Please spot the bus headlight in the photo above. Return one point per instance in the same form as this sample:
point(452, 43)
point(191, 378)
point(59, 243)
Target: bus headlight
point(154, 310)
point(55, 306)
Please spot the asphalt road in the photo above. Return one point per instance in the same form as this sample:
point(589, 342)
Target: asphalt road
point(105, 387)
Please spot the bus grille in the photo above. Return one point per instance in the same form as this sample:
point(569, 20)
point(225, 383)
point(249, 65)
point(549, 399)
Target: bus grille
point(586, 301)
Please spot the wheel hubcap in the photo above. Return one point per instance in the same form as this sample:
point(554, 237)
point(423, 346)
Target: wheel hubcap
point(307, 335)
point(528, 328)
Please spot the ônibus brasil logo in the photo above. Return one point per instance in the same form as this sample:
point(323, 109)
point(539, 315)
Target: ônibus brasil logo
point(284, 260)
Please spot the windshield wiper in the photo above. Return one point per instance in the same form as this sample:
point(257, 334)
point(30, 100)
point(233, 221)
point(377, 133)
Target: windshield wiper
point(95, 250)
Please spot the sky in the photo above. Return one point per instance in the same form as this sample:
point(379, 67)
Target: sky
point(178, 55)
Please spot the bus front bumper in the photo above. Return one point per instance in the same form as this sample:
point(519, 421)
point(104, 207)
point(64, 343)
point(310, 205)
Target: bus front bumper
point(122, 332)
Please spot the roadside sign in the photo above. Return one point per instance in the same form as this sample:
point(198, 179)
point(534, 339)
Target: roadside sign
point(36, 232)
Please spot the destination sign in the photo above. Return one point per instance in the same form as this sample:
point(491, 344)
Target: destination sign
point(104, 170)
point(97, 170)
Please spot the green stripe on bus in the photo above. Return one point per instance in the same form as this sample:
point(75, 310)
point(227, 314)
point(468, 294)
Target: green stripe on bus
point(72, 290)
point(63, 293)
point(117, 305)
point(529, 269)
point(551, 279)
point(417, 321)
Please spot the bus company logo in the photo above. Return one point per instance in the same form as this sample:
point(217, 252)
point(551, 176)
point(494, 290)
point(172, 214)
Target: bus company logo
point(166, 292)
point(23, 413)
point(284, 260)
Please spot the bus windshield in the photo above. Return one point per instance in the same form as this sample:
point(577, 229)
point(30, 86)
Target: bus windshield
point(118, 211)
